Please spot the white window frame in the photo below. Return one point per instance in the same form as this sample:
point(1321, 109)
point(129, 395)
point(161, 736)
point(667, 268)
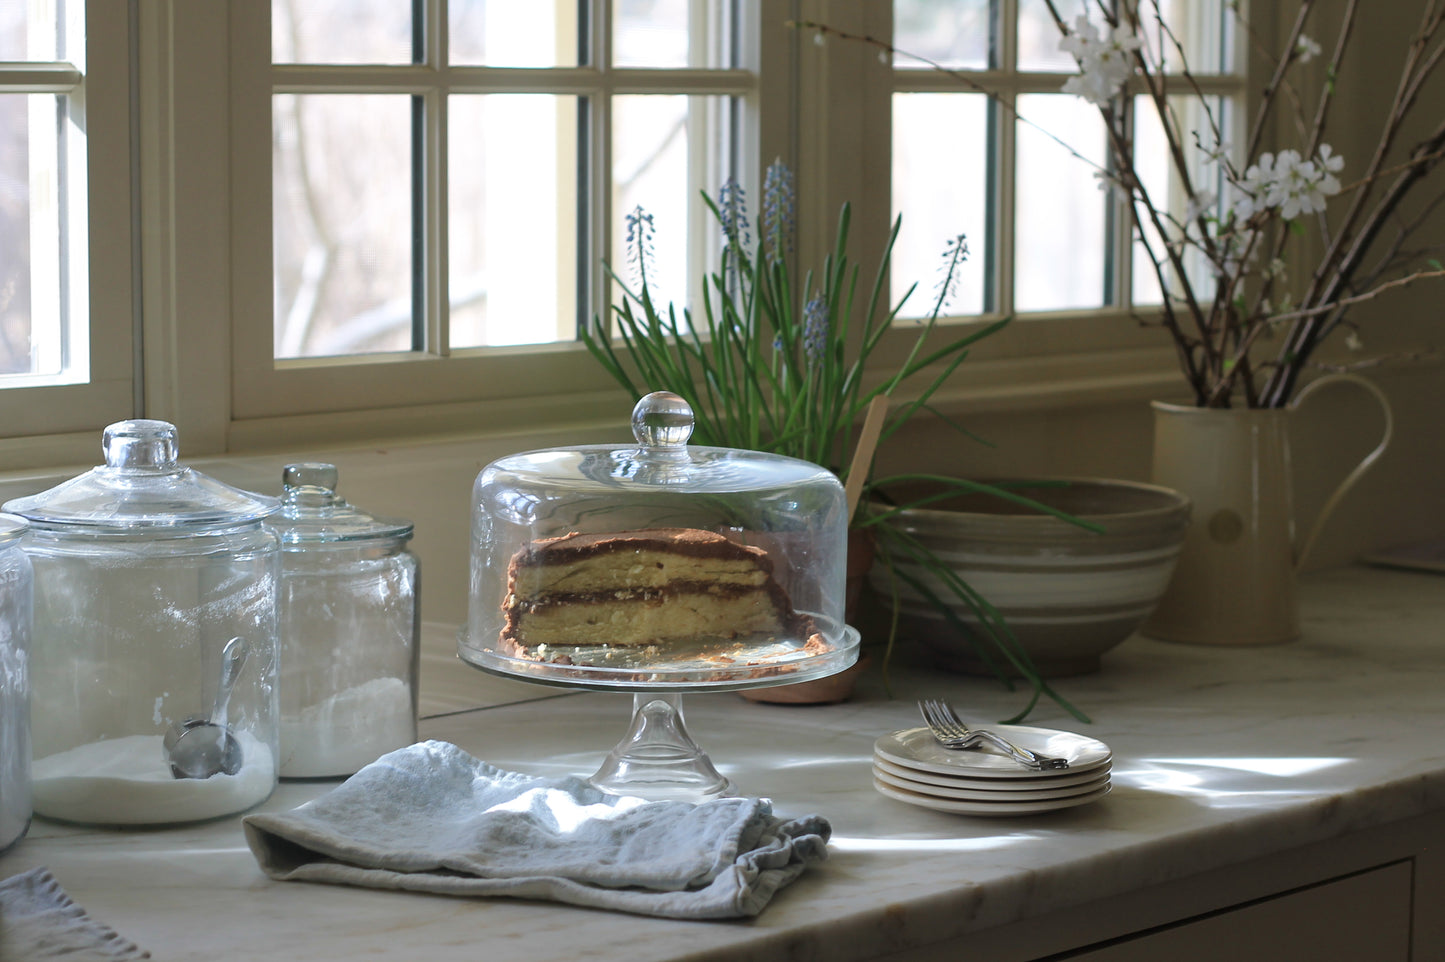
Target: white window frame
point(172, 136)
point(45, 418)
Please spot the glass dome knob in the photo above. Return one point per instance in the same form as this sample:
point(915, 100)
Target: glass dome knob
point(140, 444)
point(662, 419)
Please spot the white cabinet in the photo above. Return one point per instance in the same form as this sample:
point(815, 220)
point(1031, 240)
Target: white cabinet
point(1372, 895)
point(1359, 918)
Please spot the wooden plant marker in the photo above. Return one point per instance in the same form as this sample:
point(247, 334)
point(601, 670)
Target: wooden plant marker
point(863, 453)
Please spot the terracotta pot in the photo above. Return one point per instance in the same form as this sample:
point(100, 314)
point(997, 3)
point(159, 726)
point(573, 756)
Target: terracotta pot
point(839, 687)
point(1235, 580)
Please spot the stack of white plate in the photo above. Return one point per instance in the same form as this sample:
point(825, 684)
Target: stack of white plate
point(910, 766)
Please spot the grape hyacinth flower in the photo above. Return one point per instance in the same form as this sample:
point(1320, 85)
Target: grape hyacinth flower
point(777, 211)
point(640, 232)
point(732, 207)
point(815, 329)
point(955, 252)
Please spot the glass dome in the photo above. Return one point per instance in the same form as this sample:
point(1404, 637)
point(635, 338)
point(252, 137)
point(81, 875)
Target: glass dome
point(657, 562)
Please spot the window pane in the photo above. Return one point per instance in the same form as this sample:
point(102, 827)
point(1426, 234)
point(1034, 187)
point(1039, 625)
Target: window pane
point(513, 219)
point(671, 33)
point(13, 33)
point(16, 35)
point(342, 205)
point(665, 149)
point(952, 33)
point(1038, 37)
point(341, 31)
point(1061, 238)
point(506, 33)
point(15, 311)
point(30, 31)
point(1166, 188)
point(1201, 27)
point(940, 183)
point(32, 309)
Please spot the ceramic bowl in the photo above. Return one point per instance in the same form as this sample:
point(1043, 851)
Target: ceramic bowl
point(1068, 594)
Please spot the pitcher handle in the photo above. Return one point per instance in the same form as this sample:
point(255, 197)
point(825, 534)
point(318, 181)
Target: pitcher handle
point(1360, 469)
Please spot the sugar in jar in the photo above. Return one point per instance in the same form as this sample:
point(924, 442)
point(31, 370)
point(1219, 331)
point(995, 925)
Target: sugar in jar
point(349, 626)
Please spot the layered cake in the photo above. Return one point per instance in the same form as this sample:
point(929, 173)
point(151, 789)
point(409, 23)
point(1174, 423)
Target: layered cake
point(649, 587)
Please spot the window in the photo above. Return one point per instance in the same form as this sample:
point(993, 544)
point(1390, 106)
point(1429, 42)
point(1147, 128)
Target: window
point(425, 194)
point(296, 221)
point(1016, 171)
point(65, 271)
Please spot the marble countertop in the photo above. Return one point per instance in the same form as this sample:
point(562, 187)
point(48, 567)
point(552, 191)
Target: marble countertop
point(1220, 756)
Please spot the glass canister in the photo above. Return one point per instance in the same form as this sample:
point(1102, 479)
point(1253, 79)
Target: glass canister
point(15, 608)
point(154, 647)
point(350, 629)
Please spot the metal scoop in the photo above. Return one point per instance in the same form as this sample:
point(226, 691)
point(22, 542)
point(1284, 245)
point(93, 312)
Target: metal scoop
point(202, 747)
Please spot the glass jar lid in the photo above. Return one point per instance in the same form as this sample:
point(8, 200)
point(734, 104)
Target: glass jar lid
point(11, 528)
point(142, 486)
point(313, 513)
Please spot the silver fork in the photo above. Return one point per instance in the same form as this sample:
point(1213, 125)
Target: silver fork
point(950, 732)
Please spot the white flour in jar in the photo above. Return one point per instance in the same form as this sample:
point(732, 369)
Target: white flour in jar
point(126, 781)
point(14, 780)
point(347, 731)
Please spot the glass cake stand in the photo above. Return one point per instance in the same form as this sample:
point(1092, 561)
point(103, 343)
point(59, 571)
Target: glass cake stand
point(657, 758)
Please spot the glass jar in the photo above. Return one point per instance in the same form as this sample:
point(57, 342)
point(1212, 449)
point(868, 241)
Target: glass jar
point(154, 636)
point(15, 616)
point(349, 625)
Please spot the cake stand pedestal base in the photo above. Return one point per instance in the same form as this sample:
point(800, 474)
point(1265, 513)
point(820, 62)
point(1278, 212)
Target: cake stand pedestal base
point(657, 759)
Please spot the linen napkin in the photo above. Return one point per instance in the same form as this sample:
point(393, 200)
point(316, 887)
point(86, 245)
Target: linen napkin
point(431, 818)
point(38, 920)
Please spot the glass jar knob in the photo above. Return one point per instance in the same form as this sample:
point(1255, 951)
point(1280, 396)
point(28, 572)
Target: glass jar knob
point(662, 419)
point(309, 482)
point(310, 474)
point(140, 444)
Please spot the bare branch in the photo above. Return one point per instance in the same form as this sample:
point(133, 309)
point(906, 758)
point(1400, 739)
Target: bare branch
point(1319, 310)
point(1380, 360)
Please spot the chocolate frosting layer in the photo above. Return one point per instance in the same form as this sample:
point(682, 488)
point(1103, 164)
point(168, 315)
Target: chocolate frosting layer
point(691, 542)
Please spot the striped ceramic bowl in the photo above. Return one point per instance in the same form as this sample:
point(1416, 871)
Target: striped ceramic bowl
point(1068, 594)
